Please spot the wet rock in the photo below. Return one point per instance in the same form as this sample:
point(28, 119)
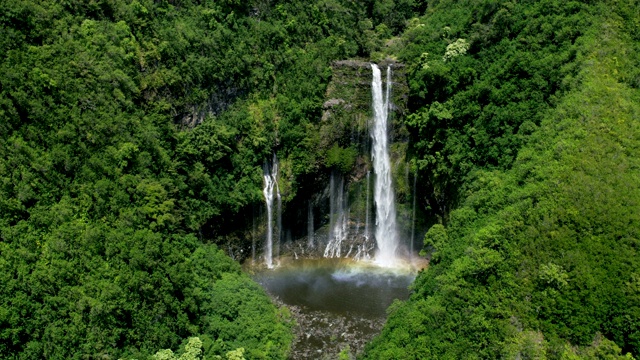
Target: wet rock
point(322, 335)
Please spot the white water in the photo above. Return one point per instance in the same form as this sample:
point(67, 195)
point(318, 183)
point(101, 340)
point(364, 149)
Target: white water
point(366, 210)
point(413, 212)
point(310, 229)
point(386, 232)
point(363, 250)
point(270, 181)
point(338, 217)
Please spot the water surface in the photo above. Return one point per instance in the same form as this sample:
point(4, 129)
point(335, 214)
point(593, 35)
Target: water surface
point(336, 286)
point(336, 302)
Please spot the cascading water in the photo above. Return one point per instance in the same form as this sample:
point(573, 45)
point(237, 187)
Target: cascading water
point(413, 213)
point(362, 251)
point(310, 226)
point(367, 209)
point(270, 184)
point(386, 233)
point(338, 217)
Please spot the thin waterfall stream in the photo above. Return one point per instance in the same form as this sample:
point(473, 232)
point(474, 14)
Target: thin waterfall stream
point(413, 213)
point(366, 209)
point(270, 189)
point(310, 228)
point(338, 216)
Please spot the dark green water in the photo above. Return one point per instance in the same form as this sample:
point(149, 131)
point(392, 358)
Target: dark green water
point(338, 287)
point(335, 302)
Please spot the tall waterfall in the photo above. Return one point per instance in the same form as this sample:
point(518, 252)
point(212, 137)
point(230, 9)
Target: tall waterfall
point(413, 212)
point(270, 188)
point(366, 209)
point(386, 232)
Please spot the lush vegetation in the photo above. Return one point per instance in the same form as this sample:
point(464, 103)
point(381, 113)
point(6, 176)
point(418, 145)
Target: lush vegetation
point(530, 136)
point(111, 201)
point(133, 135)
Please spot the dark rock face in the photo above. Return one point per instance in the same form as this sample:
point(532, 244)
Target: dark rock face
point(355, 245)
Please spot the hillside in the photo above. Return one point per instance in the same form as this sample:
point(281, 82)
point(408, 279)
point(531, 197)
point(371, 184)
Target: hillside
point(134, 136)
point(132, 140)
point(540, 257)
point(130, 132)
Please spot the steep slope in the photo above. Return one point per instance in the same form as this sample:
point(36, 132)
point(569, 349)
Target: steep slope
point(540, 259)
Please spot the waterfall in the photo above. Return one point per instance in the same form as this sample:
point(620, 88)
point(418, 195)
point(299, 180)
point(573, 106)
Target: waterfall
point(278, 239)
point(270, 181)
point(386, 233)
point(338, 217)
point(332, 209)
point(366, 210)
point(413, 213)
point(358, 220)
point(310, 225)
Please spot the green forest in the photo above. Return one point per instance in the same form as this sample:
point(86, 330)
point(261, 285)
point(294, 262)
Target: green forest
point(133, 136)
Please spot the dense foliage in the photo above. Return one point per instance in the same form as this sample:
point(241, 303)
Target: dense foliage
point(109, 196)
point(535, 130)
point(133, 135)
point(477, 110)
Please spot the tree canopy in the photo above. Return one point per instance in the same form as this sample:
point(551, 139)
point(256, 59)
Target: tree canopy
point(133, 135)
point(531, 140)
